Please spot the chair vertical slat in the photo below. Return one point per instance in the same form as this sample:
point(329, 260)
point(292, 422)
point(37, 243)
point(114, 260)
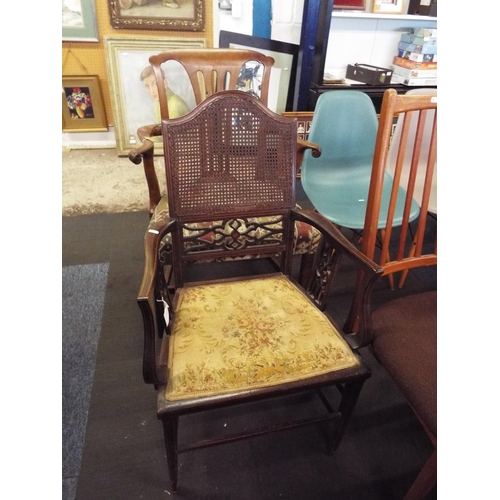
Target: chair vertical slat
point(427, 190)
point(403, 144)
point(370, 231)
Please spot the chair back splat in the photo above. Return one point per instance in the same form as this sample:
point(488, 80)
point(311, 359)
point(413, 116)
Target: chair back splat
point(410, 251)
point(257, 336)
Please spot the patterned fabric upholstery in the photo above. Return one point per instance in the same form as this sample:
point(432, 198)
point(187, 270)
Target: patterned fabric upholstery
point(306, 237)
point(250, 334)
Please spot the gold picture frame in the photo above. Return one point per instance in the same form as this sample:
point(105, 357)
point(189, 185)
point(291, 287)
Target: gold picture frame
point(132, 106)
point(82, 104)
point(388, 6)
point(188, 15)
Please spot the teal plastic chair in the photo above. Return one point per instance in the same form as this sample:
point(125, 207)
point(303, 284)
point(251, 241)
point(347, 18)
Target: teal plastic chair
point(345, 125)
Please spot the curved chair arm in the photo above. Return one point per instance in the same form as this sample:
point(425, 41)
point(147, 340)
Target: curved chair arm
point(149, 300)
point(146, 152)
point(303, 145)
point(334, 246)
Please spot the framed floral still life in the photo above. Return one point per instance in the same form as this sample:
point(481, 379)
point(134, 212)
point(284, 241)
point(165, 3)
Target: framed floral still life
point(82, 104)
point(188, 15)
point(79, 23)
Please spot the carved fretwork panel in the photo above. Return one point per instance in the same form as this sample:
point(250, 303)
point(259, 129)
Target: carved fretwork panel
point(232, 234)
point(321, 280)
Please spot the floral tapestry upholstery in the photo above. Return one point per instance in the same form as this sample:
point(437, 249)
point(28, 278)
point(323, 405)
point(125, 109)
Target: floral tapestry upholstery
point(249, 334)
point(306, 237)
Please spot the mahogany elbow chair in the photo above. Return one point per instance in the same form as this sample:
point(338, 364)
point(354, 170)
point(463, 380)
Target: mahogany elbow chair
point(213, 344)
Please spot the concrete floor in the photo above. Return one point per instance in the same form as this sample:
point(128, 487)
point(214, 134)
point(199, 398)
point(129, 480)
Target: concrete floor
point(99, 181)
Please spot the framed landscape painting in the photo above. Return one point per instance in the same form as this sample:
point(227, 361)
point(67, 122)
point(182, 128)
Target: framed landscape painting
point(133, 102)
point(79, 23)
point(82, 104)
point(175, 15)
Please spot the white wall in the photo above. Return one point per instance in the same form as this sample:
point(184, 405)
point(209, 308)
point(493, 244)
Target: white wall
point(367, 41)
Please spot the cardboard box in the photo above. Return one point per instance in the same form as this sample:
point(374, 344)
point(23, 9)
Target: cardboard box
point(419, 40)
point(413, 73)
point(419, 49)
point(414, 81)
point(414, 56)
point(372, 75)
point(408, 63)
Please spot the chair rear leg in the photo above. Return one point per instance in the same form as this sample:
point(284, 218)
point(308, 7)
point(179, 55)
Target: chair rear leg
point(170, 426)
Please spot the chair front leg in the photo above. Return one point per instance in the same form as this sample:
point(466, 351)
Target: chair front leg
point(350, 394)
point(170, 426)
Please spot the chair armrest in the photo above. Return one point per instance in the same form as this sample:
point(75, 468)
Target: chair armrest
point(146, 152)
point(334, 246)
point(303, 145)
point(151, 291)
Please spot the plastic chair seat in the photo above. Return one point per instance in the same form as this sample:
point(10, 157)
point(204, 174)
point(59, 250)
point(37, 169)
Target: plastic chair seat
point(341, 194)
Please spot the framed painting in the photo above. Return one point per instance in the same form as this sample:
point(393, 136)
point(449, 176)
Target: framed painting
point(134, 100)
point(79, 23)
point(82, 104)
point(349, 4)
point(388, 6)
point(283, 73)
point(175, 15)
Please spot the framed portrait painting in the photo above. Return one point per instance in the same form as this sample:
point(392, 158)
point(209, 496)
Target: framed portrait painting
point(175, 15)
point(79, 23)
point(82, 104)
point(134, 98)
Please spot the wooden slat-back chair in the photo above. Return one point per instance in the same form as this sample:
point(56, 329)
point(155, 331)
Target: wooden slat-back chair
point(403, 332)
point(253, 338)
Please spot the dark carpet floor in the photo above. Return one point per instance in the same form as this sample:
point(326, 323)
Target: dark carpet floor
point(123, 454)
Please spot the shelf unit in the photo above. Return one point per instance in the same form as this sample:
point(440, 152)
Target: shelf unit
point(370, 15)
point(316, 22)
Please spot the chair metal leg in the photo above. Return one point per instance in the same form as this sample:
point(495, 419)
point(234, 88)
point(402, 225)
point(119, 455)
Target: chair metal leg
point(426, 480)
point(170, 426)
